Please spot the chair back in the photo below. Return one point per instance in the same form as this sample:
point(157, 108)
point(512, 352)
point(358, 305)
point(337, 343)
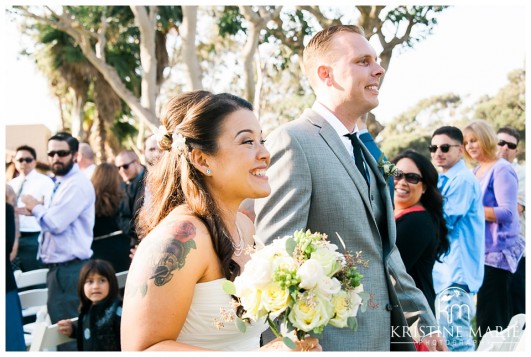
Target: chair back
point(48, 337)
point(507, 340)
point(33, 298)
point(31, 278)
point(122, 277)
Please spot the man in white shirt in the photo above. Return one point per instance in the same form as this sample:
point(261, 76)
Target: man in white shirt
point(29, 182)
point(85, 159)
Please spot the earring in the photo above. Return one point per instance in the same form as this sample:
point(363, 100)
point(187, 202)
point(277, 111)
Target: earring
point(208, 171)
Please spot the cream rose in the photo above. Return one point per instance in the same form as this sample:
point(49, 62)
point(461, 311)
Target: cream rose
point(251, 302)
point(275, 299)
point(340, 304)
point(311, 315)
point(328, 259)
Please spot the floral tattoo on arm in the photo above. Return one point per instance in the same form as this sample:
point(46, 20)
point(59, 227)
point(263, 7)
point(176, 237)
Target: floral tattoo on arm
point(174, 253)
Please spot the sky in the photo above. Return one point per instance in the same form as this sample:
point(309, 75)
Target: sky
point(470, 53)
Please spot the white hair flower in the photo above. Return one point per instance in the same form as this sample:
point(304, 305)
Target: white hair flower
point(178, 141)
point(160, 132)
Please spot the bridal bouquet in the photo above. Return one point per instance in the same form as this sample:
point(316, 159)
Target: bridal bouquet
point(303, 282)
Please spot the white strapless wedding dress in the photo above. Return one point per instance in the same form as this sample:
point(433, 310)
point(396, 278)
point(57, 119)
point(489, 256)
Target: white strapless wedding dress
point(200, 326)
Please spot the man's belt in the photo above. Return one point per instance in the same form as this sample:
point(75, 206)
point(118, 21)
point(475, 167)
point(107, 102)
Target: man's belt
point(63, 264)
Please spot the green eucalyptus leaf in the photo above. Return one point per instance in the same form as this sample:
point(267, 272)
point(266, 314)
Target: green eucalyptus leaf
point(228, 287)
point(241, 325)
point(352, 323)
point(288, 342)
point(290, 245)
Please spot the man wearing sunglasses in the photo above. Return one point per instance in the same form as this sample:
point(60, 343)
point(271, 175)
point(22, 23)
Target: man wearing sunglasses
point(66, 228)
point(29, 182)
point(508, 139)
point(132, 173)
point(460, 274)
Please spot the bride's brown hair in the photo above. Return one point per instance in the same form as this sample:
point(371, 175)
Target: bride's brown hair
point(173, 181)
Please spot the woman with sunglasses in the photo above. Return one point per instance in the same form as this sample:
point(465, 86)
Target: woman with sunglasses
point(503, 246)
point(420, 226)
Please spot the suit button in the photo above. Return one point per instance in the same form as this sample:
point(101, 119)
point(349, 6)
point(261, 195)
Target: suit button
point(389, 307)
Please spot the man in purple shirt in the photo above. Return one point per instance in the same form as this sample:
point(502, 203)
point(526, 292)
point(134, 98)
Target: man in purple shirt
point(66, 227)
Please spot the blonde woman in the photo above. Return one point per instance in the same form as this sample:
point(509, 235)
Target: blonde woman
point(503, 246)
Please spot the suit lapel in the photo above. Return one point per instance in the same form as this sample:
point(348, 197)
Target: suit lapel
point(331, 138)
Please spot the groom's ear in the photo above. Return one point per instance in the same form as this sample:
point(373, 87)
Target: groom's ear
point(199, 160)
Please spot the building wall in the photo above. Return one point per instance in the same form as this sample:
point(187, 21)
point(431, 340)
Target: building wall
point(36, 136)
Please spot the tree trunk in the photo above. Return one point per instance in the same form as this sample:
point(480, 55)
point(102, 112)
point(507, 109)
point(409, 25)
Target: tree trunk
point(78, 115)
point(188, 31)
point(255, 24)
point(83, 38)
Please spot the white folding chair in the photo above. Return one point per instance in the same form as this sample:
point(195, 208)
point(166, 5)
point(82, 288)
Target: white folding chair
point(32, 300)
point(47, 337)
point(122, 278)
point(506, 340)
point(30, 278)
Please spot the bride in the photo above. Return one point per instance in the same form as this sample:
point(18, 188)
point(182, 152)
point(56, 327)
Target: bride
point(195, 237)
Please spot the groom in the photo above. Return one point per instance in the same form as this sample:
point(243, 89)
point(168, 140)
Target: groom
point(319, 183)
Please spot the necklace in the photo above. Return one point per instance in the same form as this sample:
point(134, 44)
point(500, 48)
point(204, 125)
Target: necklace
point(238, 248)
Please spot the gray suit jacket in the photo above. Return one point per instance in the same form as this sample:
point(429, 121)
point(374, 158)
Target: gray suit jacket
point(316, 185)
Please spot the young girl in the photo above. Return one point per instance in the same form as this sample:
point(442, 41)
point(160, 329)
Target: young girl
point(98, 326)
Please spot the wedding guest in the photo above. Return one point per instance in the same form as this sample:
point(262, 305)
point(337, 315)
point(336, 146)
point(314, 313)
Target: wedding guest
point(195, 238)
point(66, 228)
point(152, 151)
point(420, 226)
point(459, 275)
point(85, 159)
point(508, 139)
point(100, 309)
point(132, 173)
point(14, 331)
point(503, 246)
point(324, 180)
point(109, 242)
point(29, 182)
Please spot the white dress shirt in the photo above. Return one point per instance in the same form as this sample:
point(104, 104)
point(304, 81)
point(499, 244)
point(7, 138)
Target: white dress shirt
point(37, 185)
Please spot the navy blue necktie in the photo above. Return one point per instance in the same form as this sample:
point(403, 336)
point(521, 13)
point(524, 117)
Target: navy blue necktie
point(358, 158)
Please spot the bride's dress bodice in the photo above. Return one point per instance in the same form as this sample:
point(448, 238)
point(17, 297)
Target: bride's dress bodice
point(200, 326)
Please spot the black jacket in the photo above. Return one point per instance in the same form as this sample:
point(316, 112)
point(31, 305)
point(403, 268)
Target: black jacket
point(98, 329)
point(130, 205)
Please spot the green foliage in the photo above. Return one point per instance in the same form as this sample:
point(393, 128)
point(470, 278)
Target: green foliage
point(401, 16)
point(507, 107)
point(230, 22)
point(228, 287)
point(413, 128)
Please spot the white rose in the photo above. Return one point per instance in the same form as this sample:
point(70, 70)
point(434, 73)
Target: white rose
point(311, 315)
point(355, 300)
point(275, 299)
point(310, 272)
point(257, 272)
point(327, 286)
point(328, 260)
